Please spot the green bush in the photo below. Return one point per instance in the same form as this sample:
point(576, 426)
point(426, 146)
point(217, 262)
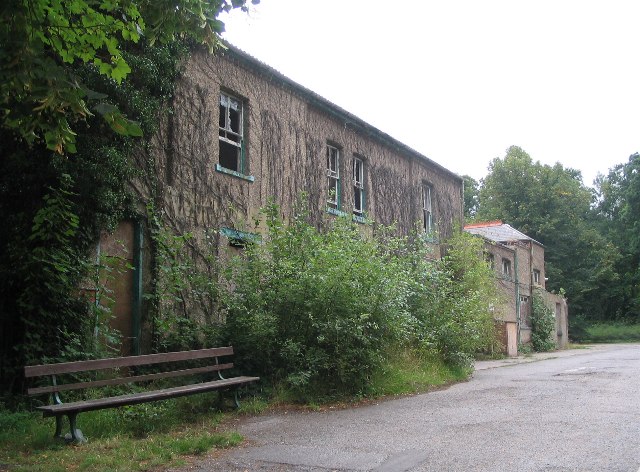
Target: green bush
point(614, 332)
point(318, 311)
point(543, 323)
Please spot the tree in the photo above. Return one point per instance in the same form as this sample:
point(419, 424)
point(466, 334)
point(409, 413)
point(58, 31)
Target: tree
point(471, 198)
point(552, 205)
point(63, 63)
point(619, 207)
point(42, 99)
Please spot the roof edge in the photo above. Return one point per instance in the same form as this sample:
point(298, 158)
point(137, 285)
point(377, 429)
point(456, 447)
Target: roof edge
point(484, 224)
point(332, 108)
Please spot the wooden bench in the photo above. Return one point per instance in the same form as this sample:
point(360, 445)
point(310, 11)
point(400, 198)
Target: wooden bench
point(124, 373)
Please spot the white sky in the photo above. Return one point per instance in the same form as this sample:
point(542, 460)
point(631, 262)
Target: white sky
point(462, 80)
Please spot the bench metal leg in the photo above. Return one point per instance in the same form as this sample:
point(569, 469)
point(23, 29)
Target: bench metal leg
point(76, 435)
point(235, 398)
point(58, 433)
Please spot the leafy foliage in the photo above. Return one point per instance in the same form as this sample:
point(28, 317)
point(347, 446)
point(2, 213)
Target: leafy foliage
point(550, 204)
point(54, 209)
point(43, 41)
point(320, 311)
point(183, 292)
point(471, 197)
point(542, 325)
point(618, 209)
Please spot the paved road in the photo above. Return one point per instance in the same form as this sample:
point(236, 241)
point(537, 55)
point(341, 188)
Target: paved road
point(575, 411)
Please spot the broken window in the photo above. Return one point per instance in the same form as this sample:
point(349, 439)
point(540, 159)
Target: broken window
point(536, 276)
point(358, 186)
point(333, 177)
point(506, 268)
point(427, 215)
point(231, 155)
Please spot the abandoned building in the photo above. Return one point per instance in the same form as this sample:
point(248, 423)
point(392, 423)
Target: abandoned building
point(518, 262)
point(240, 135)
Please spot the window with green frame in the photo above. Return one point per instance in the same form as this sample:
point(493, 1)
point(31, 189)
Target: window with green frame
point(358, 187)
point(231, 134)
point(333, 177)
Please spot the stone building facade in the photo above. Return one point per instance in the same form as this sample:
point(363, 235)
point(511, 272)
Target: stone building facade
point(518, 261)
point(242, 135)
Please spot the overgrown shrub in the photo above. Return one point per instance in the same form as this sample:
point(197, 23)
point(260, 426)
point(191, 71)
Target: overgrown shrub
point(455, 316)
point(316, 310)
point(319, 311)
point(543, 323)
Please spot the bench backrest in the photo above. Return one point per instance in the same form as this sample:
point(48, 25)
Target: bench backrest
point(129, 361)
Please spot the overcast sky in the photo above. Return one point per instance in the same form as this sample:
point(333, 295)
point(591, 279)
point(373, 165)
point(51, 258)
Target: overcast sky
point(462, 80)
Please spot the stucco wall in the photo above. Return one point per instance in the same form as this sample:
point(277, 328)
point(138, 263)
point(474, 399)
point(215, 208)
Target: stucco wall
point(286, 133)
point(537, 263)
point(286, 137)
point(506, 311)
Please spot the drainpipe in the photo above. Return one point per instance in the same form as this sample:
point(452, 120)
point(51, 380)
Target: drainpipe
point(136, 309)
point(518, 320)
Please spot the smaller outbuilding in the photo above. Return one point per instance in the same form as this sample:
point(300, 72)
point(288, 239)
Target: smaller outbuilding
point(518, 262)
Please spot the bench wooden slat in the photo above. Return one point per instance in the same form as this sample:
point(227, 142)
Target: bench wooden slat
point(142, 397)
point(130, 361)
point(130, 379)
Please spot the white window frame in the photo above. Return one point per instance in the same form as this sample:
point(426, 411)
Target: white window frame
point(358, 187)
point(536, 276)
point(333, 177)
point(226, 134)
point(427, 209)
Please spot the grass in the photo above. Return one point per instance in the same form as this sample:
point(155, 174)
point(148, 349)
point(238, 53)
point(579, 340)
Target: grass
point(612, 333)
point(410, 372)
point(136, 438)
point(167, 434)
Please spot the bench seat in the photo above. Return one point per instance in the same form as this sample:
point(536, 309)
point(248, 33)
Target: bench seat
point(131, 370)
point(142, 397)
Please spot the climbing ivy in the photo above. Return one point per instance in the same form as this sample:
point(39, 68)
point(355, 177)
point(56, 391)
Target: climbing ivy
point(54, 208)
point(543, 323)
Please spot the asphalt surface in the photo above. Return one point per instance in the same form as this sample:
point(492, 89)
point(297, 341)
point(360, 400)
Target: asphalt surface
point(575, 410)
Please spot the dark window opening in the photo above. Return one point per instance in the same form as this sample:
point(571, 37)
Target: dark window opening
point(229, 156)
point(427, 215)
point(358, 186)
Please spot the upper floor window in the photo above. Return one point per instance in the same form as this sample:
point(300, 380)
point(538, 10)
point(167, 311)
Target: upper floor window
point(230, 133)
point(427, 214)
point(489, 257)
point(333, 177)
point(358, 186)
point(506, 268)
point(536, 276)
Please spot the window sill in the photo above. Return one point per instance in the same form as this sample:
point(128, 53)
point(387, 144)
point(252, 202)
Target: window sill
point(430, 238)
point(244, 236)
point(333, 211)
point(359, 219)
point(224, 170)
